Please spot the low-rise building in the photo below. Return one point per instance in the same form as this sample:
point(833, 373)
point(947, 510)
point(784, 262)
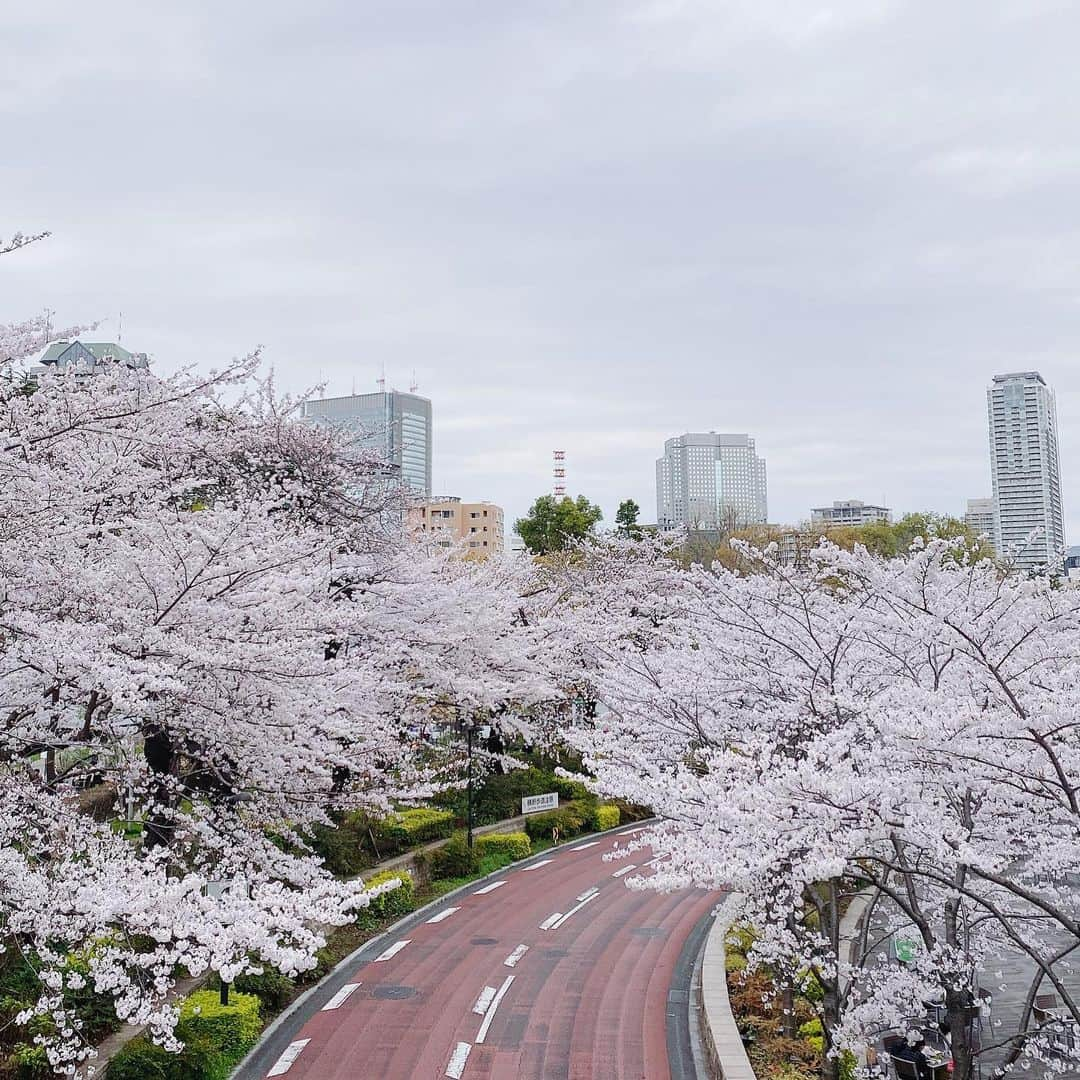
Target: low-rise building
point(87, 357)
point(848, 512)
point(449, 521)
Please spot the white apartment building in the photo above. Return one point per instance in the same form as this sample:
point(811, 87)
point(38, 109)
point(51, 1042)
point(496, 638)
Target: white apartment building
point(710, 481)
point(979, 518)
point(848, 512)
point(1026, 470)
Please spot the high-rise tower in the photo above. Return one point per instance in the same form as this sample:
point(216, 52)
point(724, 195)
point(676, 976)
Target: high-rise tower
point(1026, 470)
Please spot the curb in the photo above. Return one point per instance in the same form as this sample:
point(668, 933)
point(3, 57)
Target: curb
point(722, 1042)
point(338, 972)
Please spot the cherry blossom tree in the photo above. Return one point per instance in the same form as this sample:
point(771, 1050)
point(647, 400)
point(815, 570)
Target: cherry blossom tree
point(903, 725)
point(208, 611)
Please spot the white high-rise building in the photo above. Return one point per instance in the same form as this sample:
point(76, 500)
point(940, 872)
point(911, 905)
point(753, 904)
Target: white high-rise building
point(710, 481)
point(1026, 470)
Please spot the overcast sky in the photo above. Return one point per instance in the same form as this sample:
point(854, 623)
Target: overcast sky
point(586, 225)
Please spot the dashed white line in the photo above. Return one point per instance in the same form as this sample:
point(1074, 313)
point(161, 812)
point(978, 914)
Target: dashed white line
point(484, 1000)
point(587, 893)
point(393, 950)
point(340, 997)
point(516, 955)
point(582, 847)
point(481, 1035)
point(551, 920)
point(536, 866)
point(285, 1062)
point(457, 1061)
point(653, 862)
point(444, 914)
point(490, 888)
point(624, 870)
point(577, 907)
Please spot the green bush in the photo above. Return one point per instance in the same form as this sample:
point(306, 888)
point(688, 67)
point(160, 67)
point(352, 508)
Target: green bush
point(391, 904)
point(605, 816)
point(140, 1059)
point(498, 796)
point(344, 846)
point(810, 1028)
point(455, 859)
point(570, 820)
point(410, 828)
point(215, 1038)
point(31, 1063)
point(516, 845)
point(849, 1065)
point(271, 987)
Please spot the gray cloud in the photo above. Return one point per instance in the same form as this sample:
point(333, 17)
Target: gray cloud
point(583, 226)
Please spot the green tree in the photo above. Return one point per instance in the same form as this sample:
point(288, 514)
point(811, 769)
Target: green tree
point(626, 519)
point(555, 524)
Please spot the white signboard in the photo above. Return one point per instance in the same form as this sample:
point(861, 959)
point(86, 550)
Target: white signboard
point(532, 804)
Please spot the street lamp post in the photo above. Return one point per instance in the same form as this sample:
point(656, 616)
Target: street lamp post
point(468, 797)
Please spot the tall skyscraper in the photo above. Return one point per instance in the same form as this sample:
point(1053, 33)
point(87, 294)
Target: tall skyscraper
point(1026, 470)
point(396, 425)
point(710, 481)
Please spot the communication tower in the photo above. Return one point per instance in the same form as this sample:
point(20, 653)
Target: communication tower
point(559, 472)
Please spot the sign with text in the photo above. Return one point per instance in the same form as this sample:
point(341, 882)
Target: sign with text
point(532, 804)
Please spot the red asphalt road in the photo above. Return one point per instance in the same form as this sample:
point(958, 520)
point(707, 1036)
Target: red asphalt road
point(588, 1000)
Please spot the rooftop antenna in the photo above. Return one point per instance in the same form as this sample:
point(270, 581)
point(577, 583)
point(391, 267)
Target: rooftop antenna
point(354, 386)
point(414, 385)
point(322, 384)
point(119, 328)
point(382, 379)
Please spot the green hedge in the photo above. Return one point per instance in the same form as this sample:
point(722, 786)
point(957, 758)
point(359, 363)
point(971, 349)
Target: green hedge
point(215, 1038)
point(571, 819)
point(396, 902)
point(516, 845)
point(410, 828)
point(498, 796)
point(455, 859)
point(605, 816)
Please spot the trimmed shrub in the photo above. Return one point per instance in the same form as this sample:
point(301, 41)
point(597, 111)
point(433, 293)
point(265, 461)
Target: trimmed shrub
point(810, 1029)
point(271, 987)
point(344, 846)
point(455, 859)
point(570, 820)
point(516, 845)
point(233, 1028)
point(420, 825)
point(605, 816)
point(391, 904)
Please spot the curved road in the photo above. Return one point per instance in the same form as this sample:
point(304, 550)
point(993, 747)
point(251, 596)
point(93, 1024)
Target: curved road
point(553, 969)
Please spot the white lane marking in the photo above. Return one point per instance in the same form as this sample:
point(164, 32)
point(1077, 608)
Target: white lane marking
point(490, 888)
point(624, 870)
point(630, 832)
point(481, 1035)
point(582, 847)
point(340, 997)
point(577, 907)
point(536, 866)
point(653, 862)
point(393, 950)
point(443, 914)
point(457, 1061)
point(516, 955)
point(587, 893)
point(284, 1063)
point(484, 1000)
point(551, 920)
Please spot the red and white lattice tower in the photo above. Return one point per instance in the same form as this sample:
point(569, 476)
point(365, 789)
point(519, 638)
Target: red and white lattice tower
point(559, 472)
